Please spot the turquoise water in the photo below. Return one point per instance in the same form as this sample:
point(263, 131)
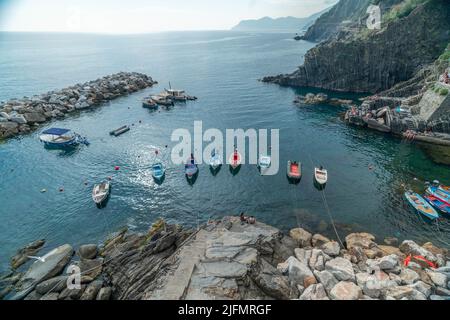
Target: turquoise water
point(222, 69)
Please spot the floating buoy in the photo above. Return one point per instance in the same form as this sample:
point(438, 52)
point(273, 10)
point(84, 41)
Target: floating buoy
point(85, 183)
point(61, 189)
point(43, 190)
point(140, 121)
point(117, 168)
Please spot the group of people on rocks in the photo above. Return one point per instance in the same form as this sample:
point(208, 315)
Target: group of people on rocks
point(248, 220)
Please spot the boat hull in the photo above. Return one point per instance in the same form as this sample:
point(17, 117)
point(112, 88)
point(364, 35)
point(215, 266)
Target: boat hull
point(438, 204)
point(440, 194)
point(421, 206)
point(293, 176)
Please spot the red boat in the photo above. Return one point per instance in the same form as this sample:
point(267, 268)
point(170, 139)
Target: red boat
point(294, 170)
point(235, 159)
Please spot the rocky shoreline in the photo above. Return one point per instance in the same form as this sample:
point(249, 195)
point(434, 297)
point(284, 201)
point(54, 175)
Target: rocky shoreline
point(22, 116)
point(226, 259)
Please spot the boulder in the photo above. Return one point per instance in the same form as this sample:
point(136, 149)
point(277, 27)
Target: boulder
point(331, 248)
point(391, 241)
point(314, 292)
point(52, 265)
point(345, 290)
point(362, 240)
point(409, 276)
point(303, 255)
point(422, 287)
point(385, 263)
point(388, 250)
point(409, 247)
point(317, 260)
point(53, 296)
point(299, 273)
point(29, 250)
point(341, 268)
point(326, 279)
point(319, 240)
point(438, 278)
point(301, 236)
point(376, 283)
point(402, 292)
point(91, 267)
point(88, 251)
point(442, 292)
point(72, 294)
point(92, 291)
point(56, 284)
point(34, 117)
point(272, 282)
point(104, 294)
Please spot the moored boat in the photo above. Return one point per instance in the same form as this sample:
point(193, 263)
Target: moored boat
point(176, 95)
point(191, 168)
point(235, 159)
point(264, 163)
point(100, 193)
point(439, 193)
point(216, 160)
point(294, 170)
point(158, 171)
point(163, 99)
point(420, 205)
point(149, 103)
point(321, 176)
point(60, 138)
point(120, 131)
point(438, 204)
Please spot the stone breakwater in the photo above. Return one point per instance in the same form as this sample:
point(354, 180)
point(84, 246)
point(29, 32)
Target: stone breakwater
point(21, 116)
point(229, 260)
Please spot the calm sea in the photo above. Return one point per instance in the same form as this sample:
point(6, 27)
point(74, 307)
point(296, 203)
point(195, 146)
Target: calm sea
point(222, 69)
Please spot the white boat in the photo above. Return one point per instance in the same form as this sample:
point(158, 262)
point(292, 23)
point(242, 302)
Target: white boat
point(60, 138)
point(176, 95)
point(264, 163)
point(321, 176)
point(216, 160)
point(101, 192)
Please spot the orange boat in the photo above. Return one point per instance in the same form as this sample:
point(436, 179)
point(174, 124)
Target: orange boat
point(294, 170)
point(235, 160)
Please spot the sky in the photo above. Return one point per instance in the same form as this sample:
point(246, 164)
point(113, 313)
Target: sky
point(144, 16)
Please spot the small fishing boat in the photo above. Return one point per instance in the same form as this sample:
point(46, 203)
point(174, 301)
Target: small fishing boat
point(439, 193)
point(235, 159)
point(60, 138)
point(297, 37)
point(420, 205)
point(149, 103)
point(176, 95)
point(120, 131)
point(191, 168)
point(438, 204)
point(264, 163)
point(216, 160)
point(158, 171)
point(100, 193)
point(321, 176)
point(294, 170)
point(163, 99)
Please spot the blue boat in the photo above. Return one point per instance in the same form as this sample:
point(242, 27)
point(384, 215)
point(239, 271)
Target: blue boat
point(420, 205)
point(158, 171)
point(61, 138)
point(438, 204)
point(439, 193)
point(191, 168)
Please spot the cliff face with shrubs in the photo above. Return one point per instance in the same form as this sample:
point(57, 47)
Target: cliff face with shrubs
point(414, 34)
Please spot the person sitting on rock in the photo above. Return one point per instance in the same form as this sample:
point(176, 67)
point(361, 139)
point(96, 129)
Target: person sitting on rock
point(251, 220)
point(243, 218)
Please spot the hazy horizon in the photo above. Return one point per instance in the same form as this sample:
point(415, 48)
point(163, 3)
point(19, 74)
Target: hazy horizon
point(141, 17)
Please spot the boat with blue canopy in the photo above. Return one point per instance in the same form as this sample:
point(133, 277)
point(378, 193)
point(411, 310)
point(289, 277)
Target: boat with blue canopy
point(191, 168)
point(420, 205)
point(441, 194)
point(61, 138)
point(438, 204)
point(158, 171)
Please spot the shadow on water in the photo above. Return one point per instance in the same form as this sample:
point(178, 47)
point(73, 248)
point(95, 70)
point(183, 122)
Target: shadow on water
point(235, 171)
point(159, 182)
point(191, 180)
point(215, 171)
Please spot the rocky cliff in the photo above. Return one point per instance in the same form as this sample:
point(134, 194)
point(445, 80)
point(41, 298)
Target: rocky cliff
point(364, 60)
point(227, 259)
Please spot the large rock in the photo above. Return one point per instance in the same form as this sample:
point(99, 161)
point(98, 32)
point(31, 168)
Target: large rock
point(409, 276)
point(341, 268)
point(345, 290)
point(314, 292)
point(56, 284)
point(91, 267)
point(29, 250)
point(52, 265)
point(34, 117)
point(422, 287)
point(438, 278)
point(88, 251)
point(362, 240)
point(409, 247)
point(301, 236)
point(375, 284)
point(91, 291)
point(402, 292)
point(385, 263)
point(272, 282)
point(326, 279)
point(331, 248)
point(319, 240)
point(300, 273)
